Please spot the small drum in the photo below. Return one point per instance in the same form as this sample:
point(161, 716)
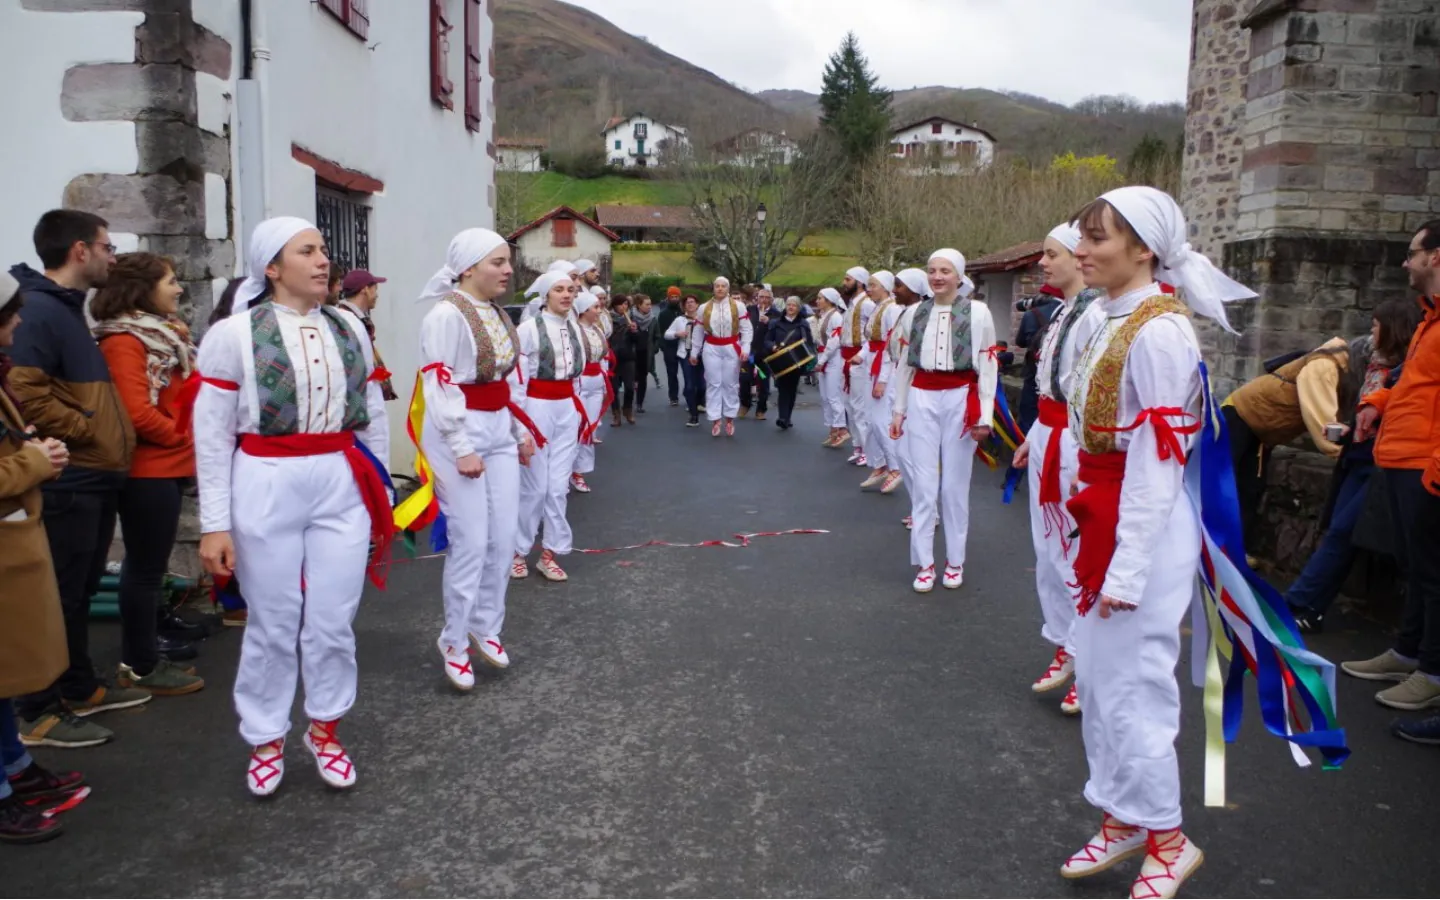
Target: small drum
point(790, 358)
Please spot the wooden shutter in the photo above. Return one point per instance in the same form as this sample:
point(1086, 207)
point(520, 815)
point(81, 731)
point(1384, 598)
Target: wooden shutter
point(564, 230)
point(441, 88)
point(472, 65)
point(354, 13)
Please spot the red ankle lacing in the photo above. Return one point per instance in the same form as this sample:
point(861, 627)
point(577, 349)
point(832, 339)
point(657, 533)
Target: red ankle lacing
point(1072, 697)
point(461, 669)
point(1157, 845)
point(1112, 831)
point(264, 768)
point(336, 761)
point(499, 650)
point(1061, 658)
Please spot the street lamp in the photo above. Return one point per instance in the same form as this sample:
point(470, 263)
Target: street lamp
point(760, 214)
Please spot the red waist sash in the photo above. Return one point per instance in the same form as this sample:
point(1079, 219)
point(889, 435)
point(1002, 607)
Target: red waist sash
point(593, 369)
point(848, 354)
point(878, 349)
point(560, 390)
point(493, 396)
point(927, 380)
point(372, 489)
point(1055, 416)
point(733, 341)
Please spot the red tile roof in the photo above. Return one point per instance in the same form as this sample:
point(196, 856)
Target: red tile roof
point(1008, 260)
point(676, 217)
point(567, 212)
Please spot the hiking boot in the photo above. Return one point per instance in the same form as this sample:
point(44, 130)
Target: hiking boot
point(1419, 691)
point(107, 698)
point(36, 784)
point(165, 680)
point(1388, 666)
point(21, 824)
point(63, 729)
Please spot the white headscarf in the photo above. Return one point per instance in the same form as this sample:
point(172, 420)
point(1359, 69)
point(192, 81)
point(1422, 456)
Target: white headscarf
point(860, 274)
point(562, 265)
point(584, 302)
point(545, 283)
point(266, 242)
point(1067, 234)
point(583, 265)
point(466, 249)
point(834, 297)
point(917, 281)
point(599, 291)
point(956, 259)
point(1157, 219)
point(886, 279)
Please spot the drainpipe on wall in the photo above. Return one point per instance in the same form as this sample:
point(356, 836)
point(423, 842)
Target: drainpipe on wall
point(252, 123)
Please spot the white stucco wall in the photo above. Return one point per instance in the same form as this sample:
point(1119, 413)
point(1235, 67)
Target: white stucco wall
point(625, 134)
point(519, 159)
point(47, 151)
point(538, 251)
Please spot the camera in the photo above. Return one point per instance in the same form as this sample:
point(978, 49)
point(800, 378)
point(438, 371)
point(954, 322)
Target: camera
point(1026, 304)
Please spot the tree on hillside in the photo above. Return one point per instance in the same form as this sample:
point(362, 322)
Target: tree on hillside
point(854, 108)
point(726, 202)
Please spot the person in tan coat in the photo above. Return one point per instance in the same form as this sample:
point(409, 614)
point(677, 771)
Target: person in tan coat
point(32, 630)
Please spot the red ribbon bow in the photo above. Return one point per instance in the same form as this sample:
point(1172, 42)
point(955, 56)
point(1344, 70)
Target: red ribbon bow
point(1165, 433)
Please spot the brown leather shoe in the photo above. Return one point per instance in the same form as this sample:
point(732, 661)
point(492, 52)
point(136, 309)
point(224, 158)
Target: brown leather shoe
point(630, 416)
point(615, 419)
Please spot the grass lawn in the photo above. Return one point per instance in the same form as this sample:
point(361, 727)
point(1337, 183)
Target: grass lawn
point(548, 190)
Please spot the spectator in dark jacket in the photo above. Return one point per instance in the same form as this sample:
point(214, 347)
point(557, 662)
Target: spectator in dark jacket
point(782, 332)
point(754, 380)
point(1039, 310)
point(64, 388)
point(642, 315)
point(674, 308)
point(624, 344)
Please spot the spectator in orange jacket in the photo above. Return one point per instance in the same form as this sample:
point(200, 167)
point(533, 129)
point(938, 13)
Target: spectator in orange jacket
point(148, 350)
point(1407, 452)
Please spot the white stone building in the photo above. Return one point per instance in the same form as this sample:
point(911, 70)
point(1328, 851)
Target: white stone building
point(186, 123)
point(943, 145)
point(640, 141)
point(520, 154)
point(758, 147)
point(562, 233)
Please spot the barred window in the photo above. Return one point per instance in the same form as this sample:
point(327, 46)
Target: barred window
point(345, 224)
point(354, 13)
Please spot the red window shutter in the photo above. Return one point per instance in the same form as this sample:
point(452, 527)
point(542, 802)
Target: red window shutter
point(472, 65)
point(441, 89)
point(359, 19)
point(564, 232)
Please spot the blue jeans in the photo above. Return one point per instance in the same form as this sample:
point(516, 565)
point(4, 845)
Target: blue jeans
point(13, 754)
point(692, 386)
point(1324, 574)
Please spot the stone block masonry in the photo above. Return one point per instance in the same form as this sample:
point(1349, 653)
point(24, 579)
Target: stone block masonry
point(1214, 124)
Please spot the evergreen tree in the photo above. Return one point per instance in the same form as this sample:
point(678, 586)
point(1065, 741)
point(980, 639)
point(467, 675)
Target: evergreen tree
point(854, 108)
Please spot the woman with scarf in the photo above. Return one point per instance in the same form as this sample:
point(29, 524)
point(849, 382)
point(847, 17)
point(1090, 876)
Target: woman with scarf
point(911, 287)
point(474, 441)
point(1050, 457)
point(783, 331)
point(292, 499)
point(721, 329)
point(594, 383)
point(624, 355)
point(642, 313)
point(680, 332)
point(829, 313)
point(552, 359)
point(944, 401)
point(878, 370)
point(147, 348)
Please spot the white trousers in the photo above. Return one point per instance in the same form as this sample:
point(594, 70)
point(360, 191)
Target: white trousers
point(545, 483)
point(481, 516)
point(899, 449)
point(292, 520)
point(592, 394)
point(1125, 675)
point(857, 402)
point(879, 449)
point(1053, 569)
point(722, 382)
point(832, 394)
point(941, 462)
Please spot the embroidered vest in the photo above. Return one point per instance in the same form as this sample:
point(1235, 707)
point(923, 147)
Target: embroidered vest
point(487, 367)
point(853, 316)
point(545, 371)
point(275, 374)
point(1104, 378)
point(1077, 309)
point(595, 348)
point(827, 327)
point(707, 315)
point(876, 331)
point(962, 354)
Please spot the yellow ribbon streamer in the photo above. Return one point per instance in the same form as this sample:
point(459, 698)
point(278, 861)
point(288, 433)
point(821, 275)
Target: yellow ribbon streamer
point(1218, 646)
point(417, 503)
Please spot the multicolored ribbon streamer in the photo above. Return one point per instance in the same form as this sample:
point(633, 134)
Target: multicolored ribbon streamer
point(422, 508)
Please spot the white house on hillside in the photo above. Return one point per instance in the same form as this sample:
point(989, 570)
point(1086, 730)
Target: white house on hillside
point(943, 145)
point(640, 141)
point(758, 147)
point(519, 154)
point(372, 119)
point(562, 233)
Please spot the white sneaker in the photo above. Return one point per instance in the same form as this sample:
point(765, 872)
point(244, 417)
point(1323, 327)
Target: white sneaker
point(457, 666)
point(519, 568)
point(490, 650)
point(1061, 668)
point(925, 580)
point(954, 576)
point(1070, 706)
point(1170, 859)
point(1115, 843)
point(550, 568)
point(331, 760)
point(267, 768)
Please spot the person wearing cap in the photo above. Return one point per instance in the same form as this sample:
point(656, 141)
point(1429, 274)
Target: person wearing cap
point(721, 329)
point(875, 363)
point(830, 313)
point(289, 501)
point(552, 354)
point(670, 347)
point(595, 386)
point(944, 401)
point(852, 343)
point(359, 293)
point(1049, 454)
point(474, 441)
point(911, 287)
point(680, 331)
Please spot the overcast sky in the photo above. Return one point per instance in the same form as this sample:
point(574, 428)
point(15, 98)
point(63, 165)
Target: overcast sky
point(1060, 49)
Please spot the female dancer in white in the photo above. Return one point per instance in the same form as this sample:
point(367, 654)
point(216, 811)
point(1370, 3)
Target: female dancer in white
point(944, 401)
point(594, 383)
point(722, 328)
point(288, 501)
point(911, 287)
point(475, 440)
point(552, 359)
point(830, 311)
point(879, 369)
point(856, 319)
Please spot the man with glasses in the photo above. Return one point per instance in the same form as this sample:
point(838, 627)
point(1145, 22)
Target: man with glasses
point(62, 383)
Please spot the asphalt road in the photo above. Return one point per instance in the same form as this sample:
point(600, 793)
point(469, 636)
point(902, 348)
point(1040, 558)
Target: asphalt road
point(786, 719)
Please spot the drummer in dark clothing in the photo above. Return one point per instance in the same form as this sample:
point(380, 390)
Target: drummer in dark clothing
point(784, 331)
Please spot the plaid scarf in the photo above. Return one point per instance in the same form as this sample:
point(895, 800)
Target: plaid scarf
point(167, 346)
